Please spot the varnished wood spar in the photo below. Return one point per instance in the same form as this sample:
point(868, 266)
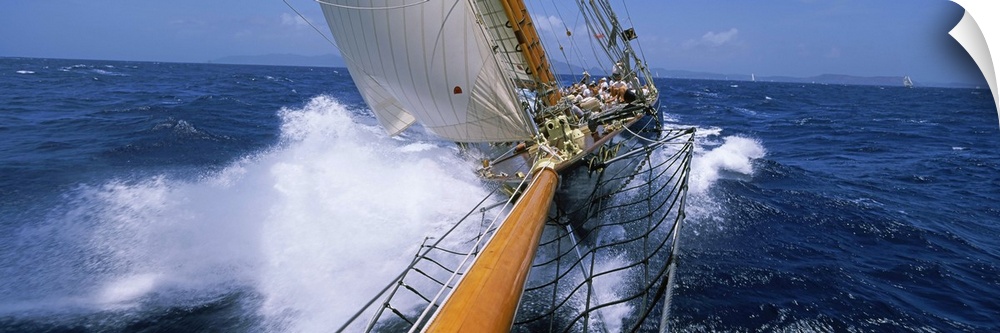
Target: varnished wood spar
point(487, 297)
point(530, 46)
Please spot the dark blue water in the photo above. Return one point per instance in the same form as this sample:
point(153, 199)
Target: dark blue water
point(200, 197)
point(874, 209)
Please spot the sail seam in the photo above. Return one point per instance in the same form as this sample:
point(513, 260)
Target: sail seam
point(371, 8)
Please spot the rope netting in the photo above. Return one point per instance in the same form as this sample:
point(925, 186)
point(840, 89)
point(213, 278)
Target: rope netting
point(606, 255)
point(603, 265)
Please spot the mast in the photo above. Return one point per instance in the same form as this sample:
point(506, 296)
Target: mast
point(531, 47)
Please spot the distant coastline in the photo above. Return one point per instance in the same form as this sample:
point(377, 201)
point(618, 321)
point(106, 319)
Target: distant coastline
point(332, 60)
point(563, 68)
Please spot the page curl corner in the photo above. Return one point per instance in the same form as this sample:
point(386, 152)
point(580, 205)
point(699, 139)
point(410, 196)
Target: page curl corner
point(970, 35)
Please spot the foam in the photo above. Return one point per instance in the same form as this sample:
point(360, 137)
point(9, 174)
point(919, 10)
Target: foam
point(735, 154)
point(314, 226)
point(353, 207)
point(716, 157)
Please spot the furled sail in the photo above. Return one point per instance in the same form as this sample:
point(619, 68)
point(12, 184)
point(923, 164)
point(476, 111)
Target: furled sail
point(428, 61)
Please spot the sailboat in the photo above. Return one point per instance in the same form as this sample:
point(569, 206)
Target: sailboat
point(580, 231)
point(907, 82)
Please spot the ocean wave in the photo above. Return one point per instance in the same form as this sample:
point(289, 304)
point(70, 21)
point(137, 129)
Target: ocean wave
point(92, 69)
point(298, 222)
point(184, 129)
point(73, 67)
point(107, 72)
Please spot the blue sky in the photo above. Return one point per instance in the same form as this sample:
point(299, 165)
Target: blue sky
point(779, 37)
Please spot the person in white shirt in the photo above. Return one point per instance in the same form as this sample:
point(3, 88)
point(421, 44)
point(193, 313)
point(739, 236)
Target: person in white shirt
point(589, 91)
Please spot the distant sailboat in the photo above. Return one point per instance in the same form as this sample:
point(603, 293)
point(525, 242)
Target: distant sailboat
point(907, 82)
point(753, 78)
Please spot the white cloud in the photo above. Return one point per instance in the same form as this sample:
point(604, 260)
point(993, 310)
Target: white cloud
point(293, 21)
point(719, 38)
point(548, 24)
point(712, 39)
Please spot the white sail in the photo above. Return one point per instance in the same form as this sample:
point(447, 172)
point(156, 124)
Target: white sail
point(511, 61)
point(427, 61)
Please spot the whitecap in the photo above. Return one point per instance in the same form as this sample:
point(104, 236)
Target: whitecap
point(108, 73)
point(315, 226)
point(735, 154)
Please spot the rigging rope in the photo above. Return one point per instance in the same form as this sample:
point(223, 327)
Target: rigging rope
point(555, 36)
point(630, 219)
point(372, 8)
point(328, 40)
point(629, 16)
point(466, 259)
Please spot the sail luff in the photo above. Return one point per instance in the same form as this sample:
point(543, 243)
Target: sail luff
point(492, 21)
point(531, 47)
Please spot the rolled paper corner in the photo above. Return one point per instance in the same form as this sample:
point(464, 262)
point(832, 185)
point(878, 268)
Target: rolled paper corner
point(969, 34)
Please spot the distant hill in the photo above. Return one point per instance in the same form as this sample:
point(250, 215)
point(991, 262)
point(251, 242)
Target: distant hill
point(326, 60)
point(331, 60)
point(563, 68)
point(843, 79)
point(680, 74)
point(819, 79)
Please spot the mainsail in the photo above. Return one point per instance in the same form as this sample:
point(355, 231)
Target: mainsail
point(429, 62)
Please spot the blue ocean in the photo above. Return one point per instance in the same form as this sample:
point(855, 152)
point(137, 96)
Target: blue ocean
point(169, 197)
